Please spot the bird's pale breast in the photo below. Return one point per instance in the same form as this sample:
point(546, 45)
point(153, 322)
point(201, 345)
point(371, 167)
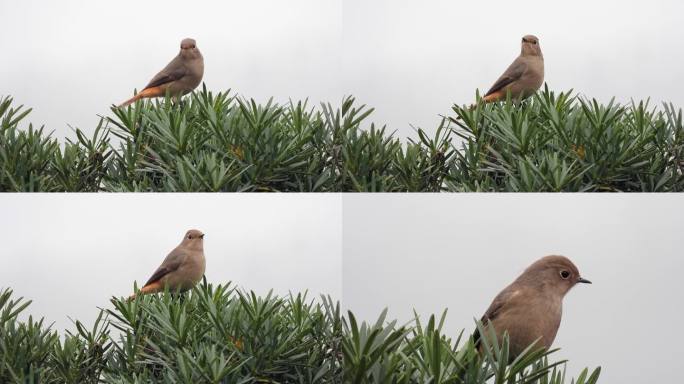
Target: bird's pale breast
point(188, 274)
point(527, 321)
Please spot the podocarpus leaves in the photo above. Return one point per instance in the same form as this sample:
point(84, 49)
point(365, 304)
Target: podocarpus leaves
point(219, 142)
point(217, 334)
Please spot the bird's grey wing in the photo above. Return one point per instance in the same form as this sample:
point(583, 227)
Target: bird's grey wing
point(173, 71)
point(513, 73)
point(170, 264)
point(491, 313)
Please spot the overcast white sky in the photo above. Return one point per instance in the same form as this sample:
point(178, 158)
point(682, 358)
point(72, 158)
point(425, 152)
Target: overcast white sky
point(70, 60)
point(457, 251)
point(70, 253)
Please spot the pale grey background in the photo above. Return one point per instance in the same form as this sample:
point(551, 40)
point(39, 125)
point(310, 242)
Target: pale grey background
point(411, 60)
point(73, 59)
point(70, 253)
point(432, 252)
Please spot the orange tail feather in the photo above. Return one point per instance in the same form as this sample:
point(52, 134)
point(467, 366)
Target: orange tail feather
point(149, 288)
point(496, 96)
point(145, 93)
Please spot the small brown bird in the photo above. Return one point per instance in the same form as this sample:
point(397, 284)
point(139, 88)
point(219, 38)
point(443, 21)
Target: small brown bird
point(182, 268)
point(180, 76)
point(531, 307)
point(523, 77)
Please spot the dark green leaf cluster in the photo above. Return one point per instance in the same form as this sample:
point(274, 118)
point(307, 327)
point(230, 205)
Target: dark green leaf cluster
point(223, 143)
point(33, 161)
point(217, 334)
point(565, 143)
point(383, 352)
point(211, 335)
point(219, 142)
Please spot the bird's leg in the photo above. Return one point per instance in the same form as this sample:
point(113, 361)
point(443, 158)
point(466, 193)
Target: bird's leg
point(177, 100)
point(178, 295)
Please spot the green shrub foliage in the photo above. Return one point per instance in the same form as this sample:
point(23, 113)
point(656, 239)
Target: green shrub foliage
point(217, 334)
point(383, 352)
point(211, 335)
point(220, 142)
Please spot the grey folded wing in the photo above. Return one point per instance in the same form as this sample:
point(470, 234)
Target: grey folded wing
point(513, 73)
point(491, 313)
point(170, 264)
point(172, 72)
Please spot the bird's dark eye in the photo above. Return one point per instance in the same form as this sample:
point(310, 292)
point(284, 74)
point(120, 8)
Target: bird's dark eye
point(565, 274)
point(189, 236)
point(534, 42)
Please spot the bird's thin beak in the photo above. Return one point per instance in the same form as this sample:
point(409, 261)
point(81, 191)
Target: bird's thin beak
point(202, 236)
point(583, 280)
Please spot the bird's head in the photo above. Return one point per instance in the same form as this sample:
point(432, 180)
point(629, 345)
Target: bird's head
point(530, 46)
point(554, 272)
point(189, 50)
point(193, 238)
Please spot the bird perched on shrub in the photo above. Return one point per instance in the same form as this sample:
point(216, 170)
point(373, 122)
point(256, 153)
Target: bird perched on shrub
point(523, 77)
point(182, 75)
point(530, 308)
point(182, 268)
